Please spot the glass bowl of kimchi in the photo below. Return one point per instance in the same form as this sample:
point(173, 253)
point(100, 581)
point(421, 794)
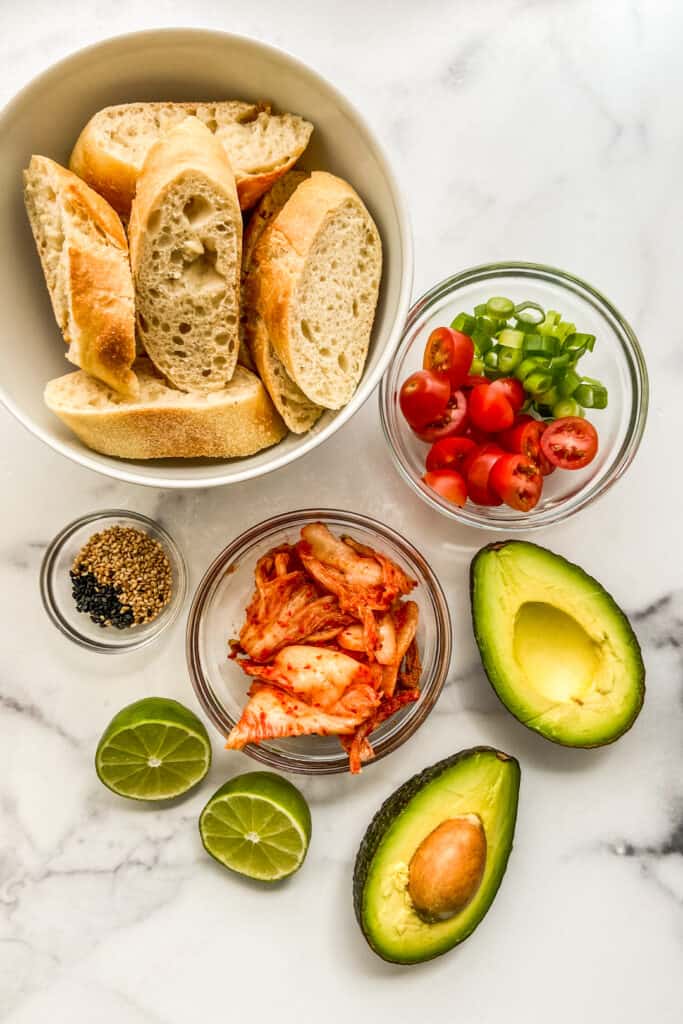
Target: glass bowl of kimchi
point(282, 617)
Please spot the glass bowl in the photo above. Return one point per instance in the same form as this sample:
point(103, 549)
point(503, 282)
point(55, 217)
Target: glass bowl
point(217, 614)
point(55, 584)
point(617, 361)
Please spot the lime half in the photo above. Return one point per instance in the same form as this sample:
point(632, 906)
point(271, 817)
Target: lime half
point(154, 749)
point(257, 824)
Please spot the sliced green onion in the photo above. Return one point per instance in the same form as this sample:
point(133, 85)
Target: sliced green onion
point(511, 338)
point(485, 323)
point(549, 397)
point(464, 323)
point(579, 342)
point(539, 348)
point(508, 359)
point(539, 345)
point(530, 313)
point(527, 366)
point(482, 340)
point(558, 364)
point(552, 319)
point(564, 329)
point(537, 382)
point(500, 308)
point(591, 396)
point(569, 383)
point(567, 407)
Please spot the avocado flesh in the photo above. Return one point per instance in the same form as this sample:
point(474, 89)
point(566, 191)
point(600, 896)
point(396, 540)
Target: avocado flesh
point(558, 650)
point(479, 781)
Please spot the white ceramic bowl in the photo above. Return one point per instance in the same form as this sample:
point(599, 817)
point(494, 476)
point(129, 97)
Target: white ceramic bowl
point(179, 64)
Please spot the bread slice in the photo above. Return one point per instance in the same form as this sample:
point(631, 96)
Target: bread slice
point(298, 412)
point(84, 255)
point(186, 250)
point(162, 423)
point(315, 283)
point(262, 146)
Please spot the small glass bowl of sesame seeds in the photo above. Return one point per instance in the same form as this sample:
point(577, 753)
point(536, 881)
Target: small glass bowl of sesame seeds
point(112, 581)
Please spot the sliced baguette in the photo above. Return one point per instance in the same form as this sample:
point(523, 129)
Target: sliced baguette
point(84, 255)
point(298, 412)
point(186, 250)
point(164, 423)
point(262, 146)
point(315, 283)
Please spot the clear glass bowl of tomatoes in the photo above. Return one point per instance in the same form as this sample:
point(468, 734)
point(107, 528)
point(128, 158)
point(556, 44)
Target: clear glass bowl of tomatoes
point(507, 467)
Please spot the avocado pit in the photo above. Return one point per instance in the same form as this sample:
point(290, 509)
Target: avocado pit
point(447, 867)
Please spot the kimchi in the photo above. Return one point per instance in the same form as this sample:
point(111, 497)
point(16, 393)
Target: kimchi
point(329, 639)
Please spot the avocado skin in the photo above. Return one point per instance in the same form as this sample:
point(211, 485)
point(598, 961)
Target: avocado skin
point(482, 642)
point(385, 817)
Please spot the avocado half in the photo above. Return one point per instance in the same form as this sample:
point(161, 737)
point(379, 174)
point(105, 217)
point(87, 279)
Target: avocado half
point(557, 649)
point(479, 781)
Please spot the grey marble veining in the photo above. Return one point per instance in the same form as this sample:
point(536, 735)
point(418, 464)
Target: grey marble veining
point(539, 130)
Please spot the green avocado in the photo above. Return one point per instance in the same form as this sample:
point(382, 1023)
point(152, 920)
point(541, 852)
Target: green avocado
point(557, 649)
point(480, 782)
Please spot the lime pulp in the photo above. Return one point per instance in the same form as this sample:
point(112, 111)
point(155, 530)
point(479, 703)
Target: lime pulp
point(259, 825)
point(154, 749)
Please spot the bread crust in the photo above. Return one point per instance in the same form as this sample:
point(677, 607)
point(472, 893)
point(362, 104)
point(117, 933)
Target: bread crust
point(298, 412)
point(236, 422)
point(98, 322)
point(116, 179)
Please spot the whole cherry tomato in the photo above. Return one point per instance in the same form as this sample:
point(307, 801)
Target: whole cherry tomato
point(423, 398)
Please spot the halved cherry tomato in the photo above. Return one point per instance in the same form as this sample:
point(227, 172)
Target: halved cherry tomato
point(449, 484)
point(478, 474)
point(423, 398)
point(472, 380)
point(452, 421)
point(485, 448)
point(570, 442)
point(524, 438)
point(517, 480)
point(512, 389)
point(449, 453)
point(489, 409)
point(476, 435)
point(544, 465)
point(450, 353)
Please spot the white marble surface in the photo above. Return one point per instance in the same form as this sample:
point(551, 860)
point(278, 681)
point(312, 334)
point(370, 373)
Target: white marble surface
point(540, 130)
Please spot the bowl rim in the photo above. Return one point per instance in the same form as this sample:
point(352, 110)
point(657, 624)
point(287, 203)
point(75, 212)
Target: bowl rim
point(51, 606)
point(298, 763)
point(117, 469)
point(630, 348)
